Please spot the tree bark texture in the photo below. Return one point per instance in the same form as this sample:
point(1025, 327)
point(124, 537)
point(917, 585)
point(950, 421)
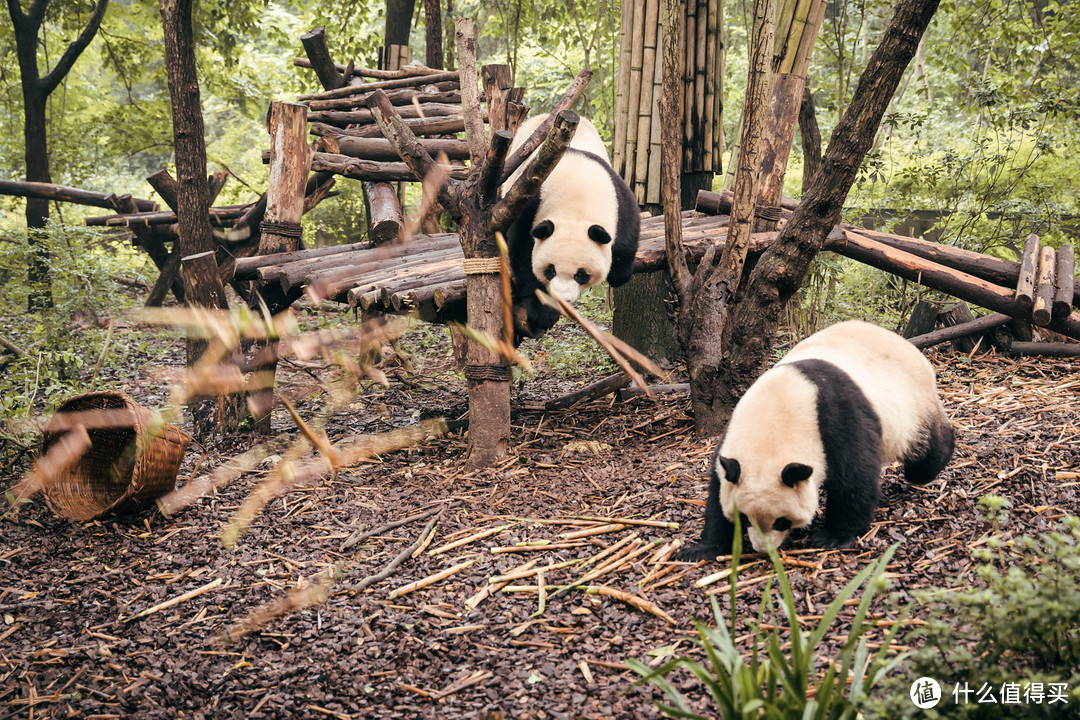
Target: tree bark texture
point(193, 195)
point(810, 135)
point(433, 33)
point(35, 91)
point(781, 270)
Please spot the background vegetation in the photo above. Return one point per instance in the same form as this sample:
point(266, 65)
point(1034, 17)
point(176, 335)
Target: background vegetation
point(984, 127)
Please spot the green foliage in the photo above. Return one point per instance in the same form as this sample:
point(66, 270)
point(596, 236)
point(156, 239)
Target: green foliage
point(768, 682)
point(63, 345)
point(1019, 622)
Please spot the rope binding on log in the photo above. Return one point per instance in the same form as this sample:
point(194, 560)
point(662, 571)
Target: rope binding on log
point(482, 266)
point(494, 373)
point(770, 213)
point(285, 229)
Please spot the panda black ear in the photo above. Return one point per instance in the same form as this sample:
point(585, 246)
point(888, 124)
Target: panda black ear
point(795, 473)
point(543, 230)
point(599, 235)
point(731, 468)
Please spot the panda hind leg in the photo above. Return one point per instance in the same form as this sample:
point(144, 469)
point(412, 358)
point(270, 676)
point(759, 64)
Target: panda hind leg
point(932, 453)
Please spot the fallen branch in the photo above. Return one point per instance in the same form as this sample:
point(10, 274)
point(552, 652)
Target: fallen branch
point(361, 535)
point(400, 558)
point(430, 579)
point(630, 599)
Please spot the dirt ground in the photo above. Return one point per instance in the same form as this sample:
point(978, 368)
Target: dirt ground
point(69, 645)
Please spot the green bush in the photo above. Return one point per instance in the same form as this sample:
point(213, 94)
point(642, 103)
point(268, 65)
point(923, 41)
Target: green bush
point(769, 683)
point(1018, 624)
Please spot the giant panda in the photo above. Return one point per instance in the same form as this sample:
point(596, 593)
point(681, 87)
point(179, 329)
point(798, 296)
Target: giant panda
point(842, 403)
point(580, 228)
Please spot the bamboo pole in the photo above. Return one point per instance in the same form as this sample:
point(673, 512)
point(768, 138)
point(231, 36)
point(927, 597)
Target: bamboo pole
point(645, 103)
point(633, 99)
point(622, 89)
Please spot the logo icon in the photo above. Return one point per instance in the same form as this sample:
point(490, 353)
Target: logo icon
point(925, 693)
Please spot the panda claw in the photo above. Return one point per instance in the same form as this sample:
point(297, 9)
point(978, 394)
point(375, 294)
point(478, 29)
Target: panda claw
point(827, 540)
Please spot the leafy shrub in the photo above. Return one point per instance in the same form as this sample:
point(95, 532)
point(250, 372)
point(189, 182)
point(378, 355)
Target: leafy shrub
point(1018, 623)
point(769, 683)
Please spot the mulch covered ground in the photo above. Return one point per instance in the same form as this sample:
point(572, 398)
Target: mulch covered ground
point(69, 645)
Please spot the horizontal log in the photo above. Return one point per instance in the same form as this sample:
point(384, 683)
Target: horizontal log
point(406, 71)
point(381, 149)
point(978, 325)
point(247, 268)
point(419, 126)
point(444, 92)
point(1045, 349)
point(342, 118)
point(364, 89)
point(954, 282)
point(593, 390)
point(357, 169)
point(77, 196)
point(219, 217)
point(712, 203)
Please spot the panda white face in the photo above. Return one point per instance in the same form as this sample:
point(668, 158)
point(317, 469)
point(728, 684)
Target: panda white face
point(771, 462)
point(570, 256)
point(776, 504)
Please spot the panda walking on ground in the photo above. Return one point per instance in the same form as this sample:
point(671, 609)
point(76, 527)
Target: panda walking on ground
point(840, 405)
point(581, 228)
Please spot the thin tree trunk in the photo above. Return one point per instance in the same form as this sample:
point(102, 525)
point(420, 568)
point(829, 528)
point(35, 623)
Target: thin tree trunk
point(193, 195)
point(36, 90)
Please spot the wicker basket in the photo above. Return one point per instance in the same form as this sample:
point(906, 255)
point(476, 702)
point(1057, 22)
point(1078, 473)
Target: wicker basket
point(125, 469)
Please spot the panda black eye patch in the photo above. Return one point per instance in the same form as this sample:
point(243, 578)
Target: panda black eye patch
point(781, 524)
point(549, 272)
point(581, 276)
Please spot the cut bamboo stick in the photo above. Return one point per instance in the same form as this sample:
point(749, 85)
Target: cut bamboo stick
point(470, 539)
point(431, 579)
point(176, 600)
point(630, 599)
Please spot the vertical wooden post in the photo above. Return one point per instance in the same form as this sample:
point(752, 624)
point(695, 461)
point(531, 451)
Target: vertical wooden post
point(290, 159)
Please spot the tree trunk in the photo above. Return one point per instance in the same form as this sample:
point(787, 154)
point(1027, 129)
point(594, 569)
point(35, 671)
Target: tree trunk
point(398, 21)
point(810, 135)
point(36, 90)
point(433, 31)
point(751, 330)
point(193, 196)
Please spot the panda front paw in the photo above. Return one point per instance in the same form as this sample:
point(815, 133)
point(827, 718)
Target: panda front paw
point(830, 541)
point(701, 551)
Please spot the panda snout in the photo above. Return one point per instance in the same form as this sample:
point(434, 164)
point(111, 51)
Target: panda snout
point(568, 290)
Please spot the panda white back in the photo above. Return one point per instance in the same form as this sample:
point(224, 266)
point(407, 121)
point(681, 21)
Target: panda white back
point(896, 378)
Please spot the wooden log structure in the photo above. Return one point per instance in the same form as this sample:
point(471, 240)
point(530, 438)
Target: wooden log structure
point(440, 125)
point(443, 92)
point(412, 70)
point(1000, 272)
point(344, 118)
point(62, 193)
point(948, 334)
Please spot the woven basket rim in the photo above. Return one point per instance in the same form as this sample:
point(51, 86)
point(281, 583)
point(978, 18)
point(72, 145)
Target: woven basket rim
point(153, 473)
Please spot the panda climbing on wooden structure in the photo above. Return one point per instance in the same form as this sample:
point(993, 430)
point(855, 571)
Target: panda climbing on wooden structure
point(581, 228)
point(840, 405)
